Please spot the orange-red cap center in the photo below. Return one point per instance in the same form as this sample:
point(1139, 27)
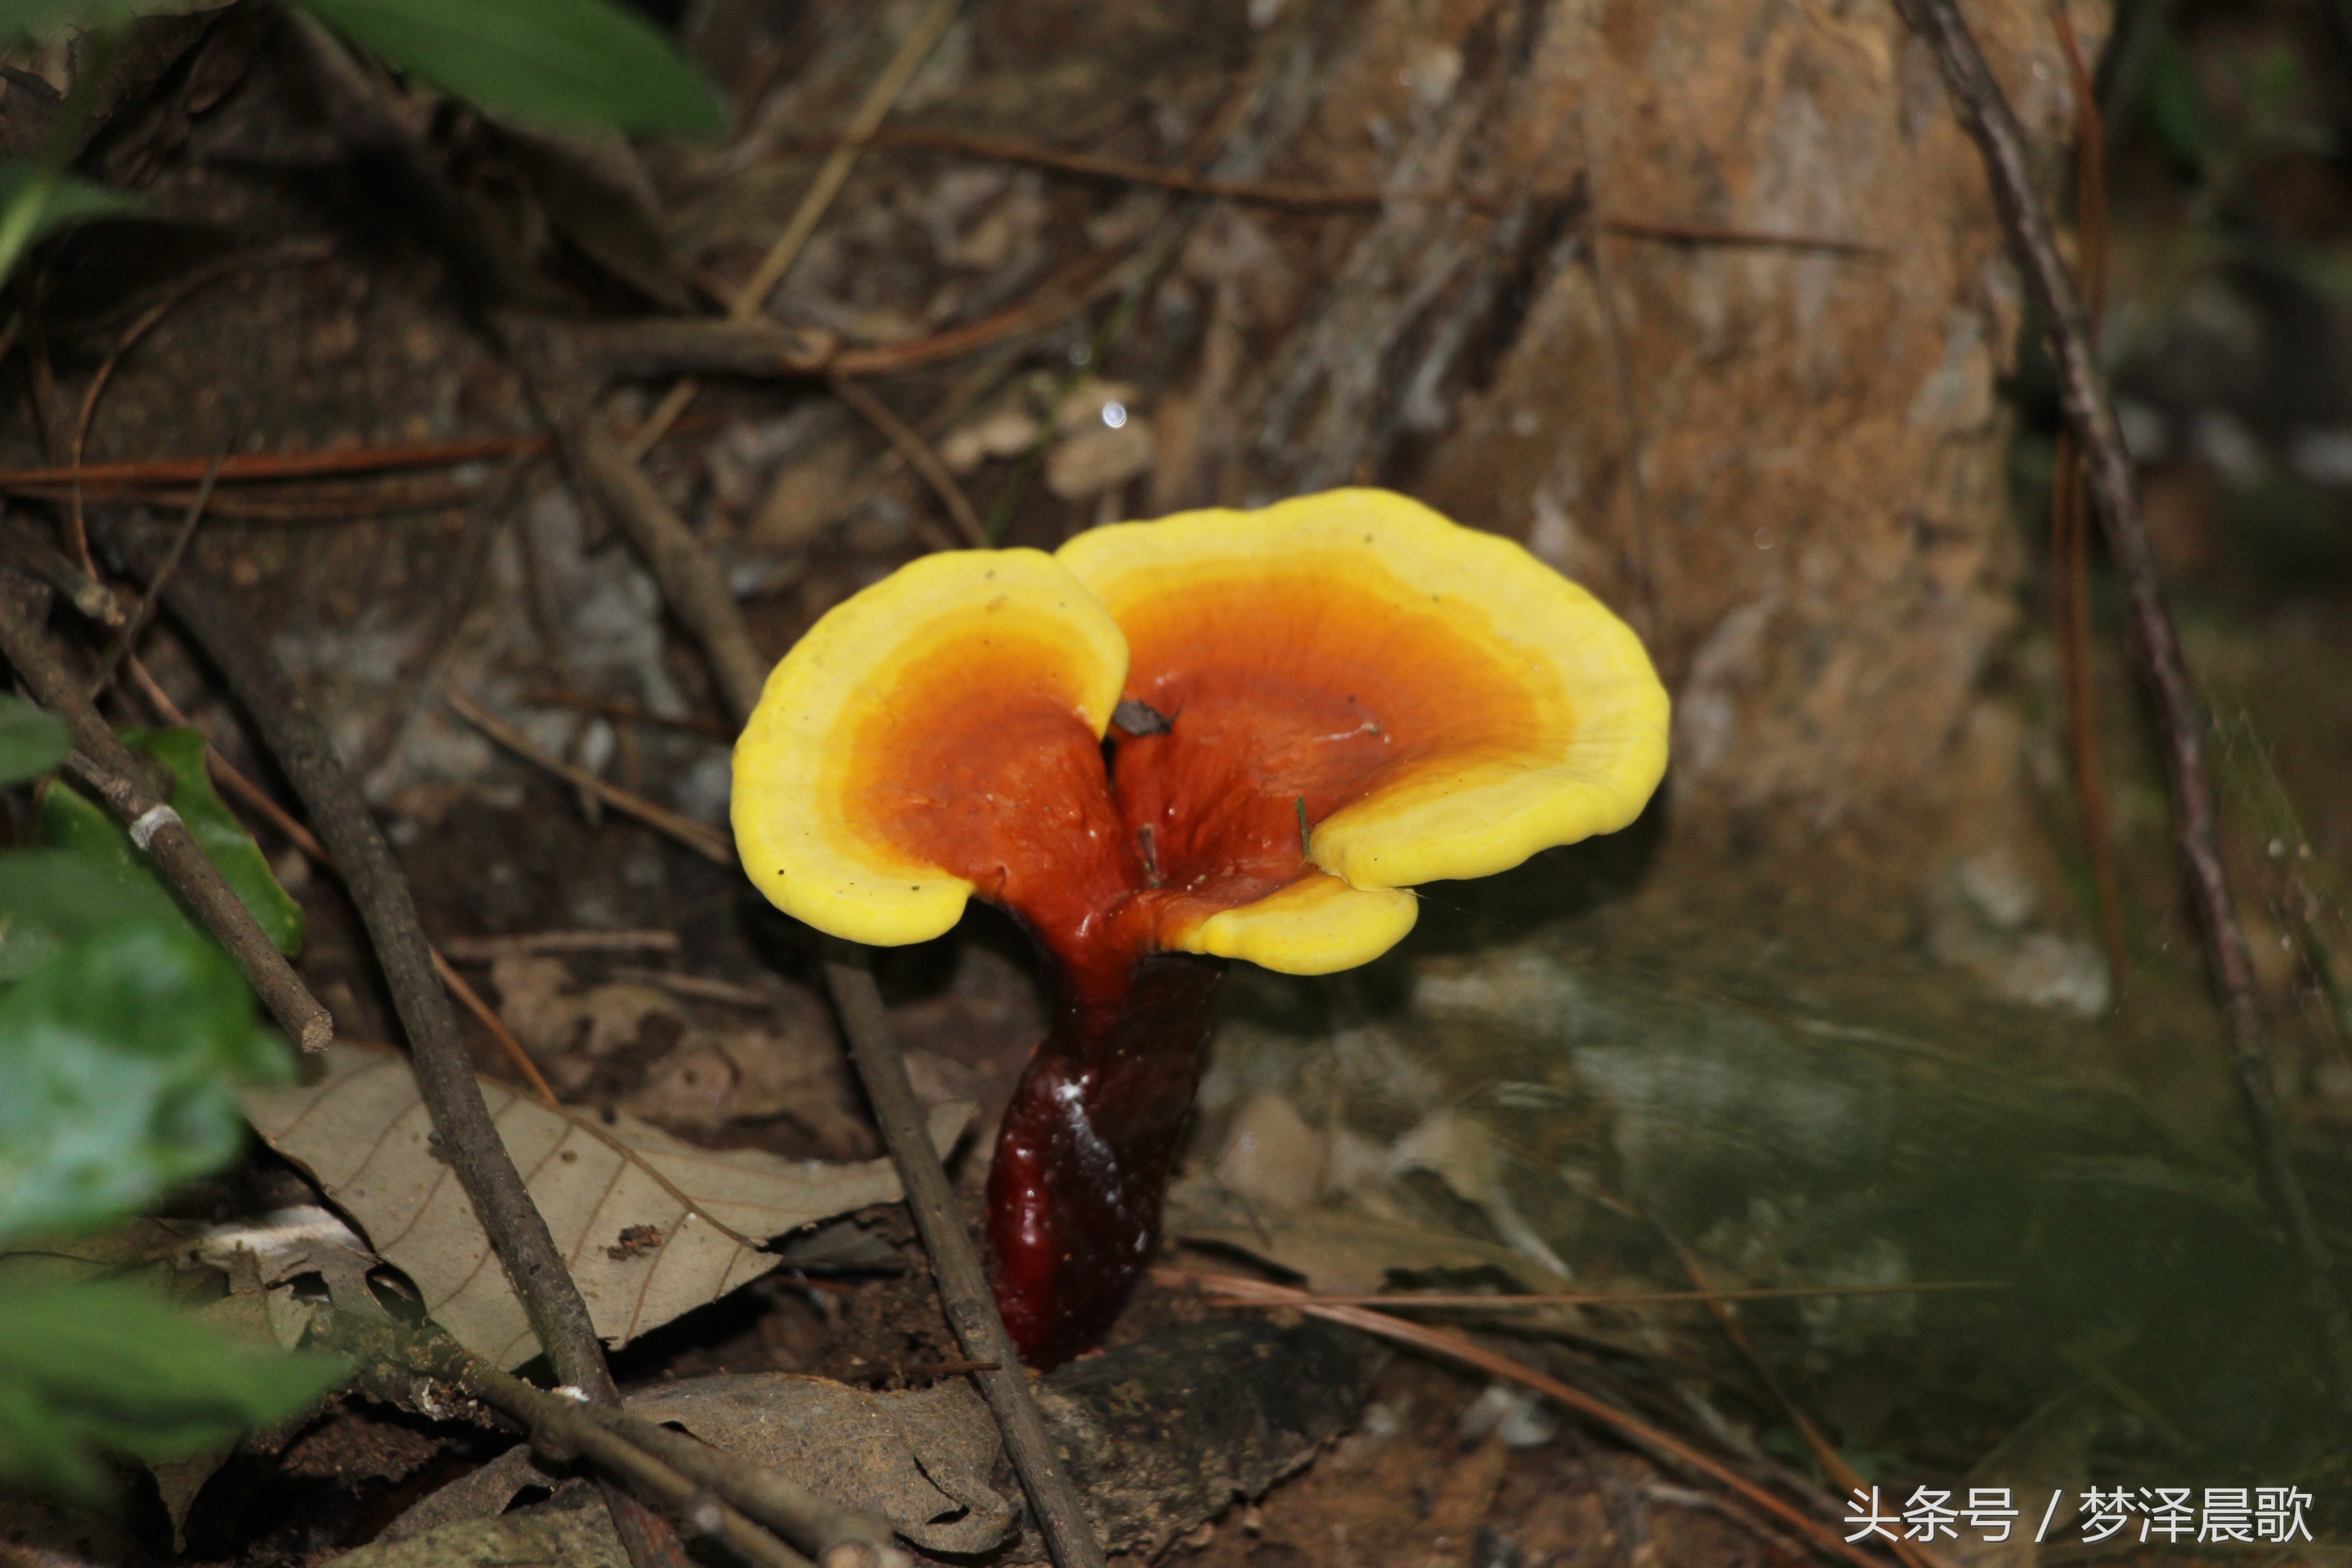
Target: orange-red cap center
point(1288, 691)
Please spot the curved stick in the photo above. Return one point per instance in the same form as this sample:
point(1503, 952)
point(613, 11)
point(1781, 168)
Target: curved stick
point(2091, 410)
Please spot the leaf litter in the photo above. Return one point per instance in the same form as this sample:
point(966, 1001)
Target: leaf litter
point(362, 1133)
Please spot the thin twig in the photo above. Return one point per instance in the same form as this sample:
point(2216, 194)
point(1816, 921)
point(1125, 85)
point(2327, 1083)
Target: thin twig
point(836, 1536)
point(226, 773)
point(239, 468)
point(772, 349)
point(456, 984)
point(293, 253)
point(32, 551)
point(486, 1015)
point(692, 1478)
point(327, 503)
point(2070, 534)
point(563, 1427)
point(630, 712)
point(75, 531)
point(751, 300)
point(175, 292)
point(137, 622)
point(108, 765)
point(691, 583)
point(1825, 1454)
point(707, 842)
point(1311, 197)
point(2180, 713)
point(971, 1306)
point(488, 949)
point(1739, 238)
point(496, 1026)
point(468, 1139)
point(701, 987)
point(1470, 1301)
point(920, 456)
point(1456, 1347)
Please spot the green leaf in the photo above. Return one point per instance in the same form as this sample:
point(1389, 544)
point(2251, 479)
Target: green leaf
point(69, 821)
point(37, 199)
point(220, 835)
point(32, 742)
point(120, 1048)
point(586, 64)
point(110, 1366)
point(48, 19)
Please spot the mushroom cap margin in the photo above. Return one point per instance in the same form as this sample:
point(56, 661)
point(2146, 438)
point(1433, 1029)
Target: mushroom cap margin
point(1317, 925)
point(798, 757)
point(1603, 749)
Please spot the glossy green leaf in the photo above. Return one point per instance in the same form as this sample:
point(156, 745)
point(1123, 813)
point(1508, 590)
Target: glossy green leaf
point(85, 1368)
point(37, 199)
point(220, 835)
point(587, 64)
point(69, 820)
point(120, 1047)
point(32, 742)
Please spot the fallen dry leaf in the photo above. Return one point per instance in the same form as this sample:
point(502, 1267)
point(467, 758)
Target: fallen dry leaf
point(363, 1134)
point(921, 1459)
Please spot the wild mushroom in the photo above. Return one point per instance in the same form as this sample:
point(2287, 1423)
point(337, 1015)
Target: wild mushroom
point(1307, 710)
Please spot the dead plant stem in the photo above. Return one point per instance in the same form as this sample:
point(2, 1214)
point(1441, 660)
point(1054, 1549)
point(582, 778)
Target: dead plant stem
point(691, 583)
point(1302, 197)
point(919, 458)
point(964, 1291)
point(565, 1427)
point(108, 766)
point(239, 468)
point(708, 842)
point(751, 300)
point(137, 621)
point(2070, 534)
point(445, 1078)
point(457, 986)
point(2090, 408)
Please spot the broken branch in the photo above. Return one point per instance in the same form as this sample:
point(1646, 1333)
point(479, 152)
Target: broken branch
point(690, 581)
point(964, 1291)
point(445, 1078)
point(920, 456)
point(103, 762)
point(708, 842)
point(2090, 409)
point(241, 466)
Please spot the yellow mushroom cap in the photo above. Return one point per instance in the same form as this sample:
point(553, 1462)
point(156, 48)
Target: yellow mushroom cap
point(944, 698)
point(1360, 695)
point(1469, 706)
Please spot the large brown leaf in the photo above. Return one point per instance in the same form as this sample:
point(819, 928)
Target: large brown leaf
point(643, 1252)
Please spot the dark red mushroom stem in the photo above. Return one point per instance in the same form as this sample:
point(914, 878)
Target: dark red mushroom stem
point(1088, 1144)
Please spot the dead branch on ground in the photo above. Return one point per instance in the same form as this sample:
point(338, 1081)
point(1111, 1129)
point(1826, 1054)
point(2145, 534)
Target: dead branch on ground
point(102, 761)
point(445, 1078)
point(964, 1290)
point(2180, 713)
